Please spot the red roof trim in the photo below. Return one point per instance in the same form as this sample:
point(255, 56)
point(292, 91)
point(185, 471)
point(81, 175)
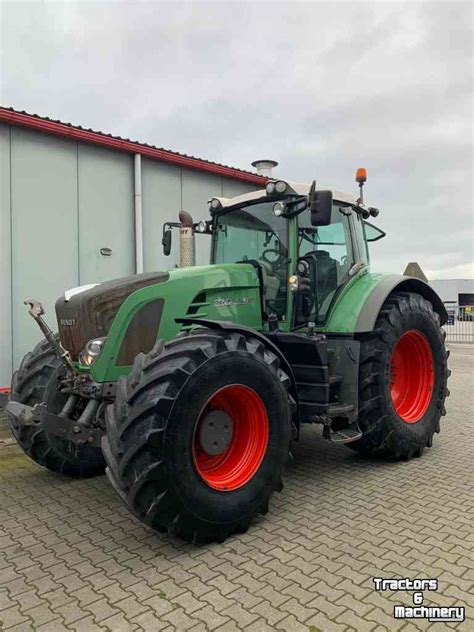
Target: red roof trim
point(97, 138)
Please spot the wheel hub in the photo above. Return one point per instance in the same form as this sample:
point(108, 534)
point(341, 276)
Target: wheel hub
point(231, 437)
point(216, 432)
point(412, 376)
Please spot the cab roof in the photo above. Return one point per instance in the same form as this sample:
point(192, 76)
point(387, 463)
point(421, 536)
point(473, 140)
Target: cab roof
point(301, 188)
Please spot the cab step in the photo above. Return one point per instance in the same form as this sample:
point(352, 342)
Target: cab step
point(313, 411)
point(340, 410)
point(344, 436)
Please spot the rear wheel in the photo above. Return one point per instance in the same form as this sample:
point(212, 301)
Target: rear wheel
point(199, 434)
point(402, 380)
point(33, 383)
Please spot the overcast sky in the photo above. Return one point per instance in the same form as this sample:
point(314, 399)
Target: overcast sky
point(321, 87)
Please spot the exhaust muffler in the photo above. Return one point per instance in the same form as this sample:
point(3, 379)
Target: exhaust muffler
point(187, 248)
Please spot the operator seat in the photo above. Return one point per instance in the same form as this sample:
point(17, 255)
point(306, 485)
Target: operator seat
point(325, 273)
point(271, 282)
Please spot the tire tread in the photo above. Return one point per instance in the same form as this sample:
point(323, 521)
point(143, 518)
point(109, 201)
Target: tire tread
point(381, 438)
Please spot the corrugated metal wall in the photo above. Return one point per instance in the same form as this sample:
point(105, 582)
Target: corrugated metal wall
point(61, 202)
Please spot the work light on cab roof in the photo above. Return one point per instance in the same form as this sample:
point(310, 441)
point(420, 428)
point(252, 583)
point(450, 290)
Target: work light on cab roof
point(276, 188)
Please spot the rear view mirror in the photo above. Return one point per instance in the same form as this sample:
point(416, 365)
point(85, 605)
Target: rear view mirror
point(320, 207)
point(166, 241)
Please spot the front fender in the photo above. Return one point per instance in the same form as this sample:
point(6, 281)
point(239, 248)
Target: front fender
point(247, 331)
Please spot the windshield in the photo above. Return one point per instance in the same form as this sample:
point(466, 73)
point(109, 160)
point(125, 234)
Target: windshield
point(249, 233)
point(253, 233)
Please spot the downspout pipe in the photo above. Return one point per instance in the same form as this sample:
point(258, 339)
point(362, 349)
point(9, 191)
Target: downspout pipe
point(138, 215)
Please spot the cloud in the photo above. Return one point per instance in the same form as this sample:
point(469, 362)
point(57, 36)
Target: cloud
point(321, 87)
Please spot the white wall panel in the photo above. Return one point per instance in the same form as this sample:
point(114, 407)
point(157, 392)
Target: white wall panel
point(161, 201)
point(106, 220)
point(198, 188)
point(5, 260)
point(232, 188)
point(44, 228)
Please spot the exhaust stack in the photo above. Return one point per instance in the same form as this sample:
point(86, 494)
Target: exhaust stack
point(264, 167)
point(187, 250)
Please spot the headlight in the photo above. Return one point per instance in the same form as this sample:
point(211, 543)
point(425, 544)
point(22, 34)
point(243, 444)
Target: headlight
point(293, 283)
point(280, 186)
point(270, 188)
point(303, 267)
point(215, 204)
point(201, 227)
point(91, 351)
point(278, 209)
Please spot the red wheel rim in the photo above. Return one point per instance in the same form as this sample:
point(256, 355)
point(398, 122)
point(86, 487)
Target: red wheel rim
point(412, 376)
point(234, 467)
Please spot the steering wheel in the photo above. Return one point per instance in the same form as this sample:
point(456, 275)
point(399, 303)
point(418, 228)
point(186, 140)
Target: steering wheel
point(272, 262)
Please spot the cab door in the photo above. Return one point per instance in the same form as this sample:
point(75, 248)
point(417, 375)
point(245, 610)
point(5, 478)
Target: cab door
point(330, 255)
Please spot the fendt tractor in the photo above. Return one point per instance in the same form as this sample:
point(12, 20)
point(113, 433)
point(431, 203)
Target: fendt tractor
point(188, 386)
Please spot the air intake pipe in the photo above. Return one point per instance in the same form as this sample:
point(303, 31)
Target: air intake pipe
point(187, 250)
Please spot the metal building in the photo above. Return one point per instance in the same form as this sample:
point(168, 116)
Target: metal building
point(459, 291)
point(79, 206)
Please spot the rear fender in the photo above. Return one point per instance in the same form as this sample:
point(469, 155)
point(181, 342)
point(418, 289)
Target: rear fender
point(389, 285)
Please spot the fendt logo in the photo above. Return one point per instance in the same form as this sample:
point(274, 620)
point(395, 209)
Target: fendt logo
point(67, 322)
point(226, 302)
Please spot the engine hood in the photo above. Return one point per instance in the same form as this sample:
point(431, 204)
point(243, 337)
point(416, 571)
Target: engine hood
point(88, 311)
point(132, 312)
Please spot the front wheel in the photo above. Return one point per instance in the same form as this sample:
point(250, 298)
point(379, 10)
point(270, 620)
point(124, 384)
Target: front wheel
point(402, 380)
point(199, 434)
point(35, 382)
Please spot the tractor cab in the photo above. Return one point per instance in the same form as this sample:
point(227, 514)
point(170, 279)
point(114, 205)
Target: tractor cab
point(306, 244)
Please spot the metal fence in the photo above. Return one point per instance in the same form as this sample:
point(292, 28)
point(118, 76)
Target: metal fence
point(460, 325)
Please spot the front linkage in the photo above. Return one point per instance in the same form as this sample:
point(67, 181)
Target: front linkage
point(61, 426)
point(77, 419)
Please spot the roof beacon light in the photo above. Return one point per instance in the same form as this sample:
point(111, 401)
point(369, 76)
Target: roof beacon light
point(361, 178)
point(361, 175)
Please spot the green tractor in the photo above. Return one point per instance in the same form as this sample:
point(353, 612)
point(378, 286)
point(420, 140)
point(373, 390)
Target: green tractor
point(188, 386)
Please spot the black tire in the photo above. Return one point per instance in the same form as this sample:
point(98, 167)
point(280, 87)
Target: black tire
point(151, 430)
point(386, 433)
point(30, 386)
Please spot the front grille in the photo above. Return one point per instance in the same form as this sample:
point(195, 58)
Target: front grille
point(141, 333)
